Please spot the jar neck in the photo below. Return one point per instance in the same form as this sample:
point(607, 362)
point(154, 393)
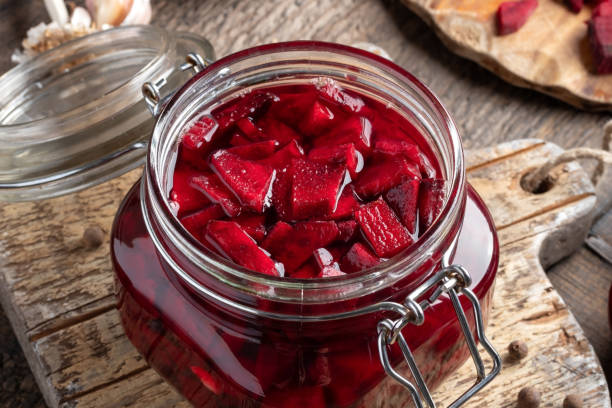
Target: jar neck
point(220, 281)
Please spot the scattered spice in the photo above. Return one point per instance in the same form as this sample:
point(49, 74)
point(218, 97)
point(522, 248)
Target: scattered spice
point(93, 237)
point(518, 350)
point(572, 401)
point(528, 397)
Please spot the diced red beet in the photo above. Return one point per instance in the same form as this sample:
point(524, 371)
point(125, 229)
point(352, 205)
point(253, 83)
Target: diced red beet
point(290, 108)
point(331, 91)
point(318, 119)
point(200, 134)
point(347, 203)
point(304, 239)
point(306, 271)
point(358, 258)
point(404, 199)
point(196, 222)
point(277, 236)
point(323, 257)
point(575, 5)
point(248, 105)
point(238, 139)
point(603, 9)
point(277, 130)
point(316, 188)
point(282, 158)
point(431, 201)
point(231, 241)
point(215, 191)
point(384, 173)
point(397, 146)
point(185, 197)
point(249, 128)
point(348, 230)
point(254, 151)
point(330, 272)
point(251, 182)
point(281, 194)
point(345, 154)
point(254, 225)
point(512, 15)
point(356, 130)
point(382, 228)
point(600, 39)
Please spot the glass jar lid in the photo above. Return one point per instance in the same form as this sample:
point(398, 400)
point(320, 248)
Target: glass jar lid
point(75, 116)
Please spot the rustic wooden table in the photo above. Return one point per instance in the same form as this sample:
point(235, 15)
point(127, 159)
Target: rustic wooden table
point(487, 110)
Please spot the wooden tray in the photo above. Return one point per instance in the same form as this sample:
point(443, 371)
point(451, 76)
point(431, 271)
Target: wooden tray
point(550, 53)
point(59, 296)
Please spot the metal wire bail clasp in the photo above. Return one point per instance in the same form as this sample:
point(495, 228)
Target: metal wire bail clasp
point(452, 280)
point(152, 90)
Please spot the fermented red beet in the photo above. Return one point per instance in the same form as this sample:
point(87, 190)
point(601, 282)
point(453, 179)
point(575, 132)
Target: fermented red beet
point(404, 199)
point(358, 258)
point(183, 196)
point(512, 15)
point(215, 191)
point(384, 173)
point(254, 151)
point(431, 200)
point(345, 154)
point(197, 221)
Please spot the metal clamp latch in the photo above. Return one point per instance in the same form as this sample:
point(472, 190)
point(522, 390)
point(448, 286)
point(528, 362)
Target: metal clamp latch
point(452, 280)
point(152, 90)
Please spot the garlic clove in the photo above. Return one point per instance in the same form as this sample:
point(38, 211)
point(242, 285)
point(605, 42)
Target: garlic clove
point(111, 12)
point(140, 13)
point(80, 18)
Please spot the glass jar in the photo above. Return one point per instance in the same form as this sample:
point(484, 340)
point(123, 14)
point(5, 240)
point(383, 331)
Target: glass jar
point(76, 116)
point(228, 337)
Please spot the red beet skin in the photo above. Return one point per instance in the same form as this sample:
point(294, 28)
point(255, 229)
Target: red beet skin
point(512, 15)
point(600, 40)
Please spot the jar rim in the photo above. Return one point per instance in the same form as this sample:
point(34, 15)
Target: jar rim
point(443, 229)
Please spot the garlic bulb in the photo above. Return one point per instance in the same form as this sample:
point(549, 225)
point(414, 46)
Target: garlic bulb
point(119, 12)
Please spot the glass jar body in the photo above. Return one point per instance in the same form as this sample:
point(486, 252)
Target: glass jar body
point(218, 358)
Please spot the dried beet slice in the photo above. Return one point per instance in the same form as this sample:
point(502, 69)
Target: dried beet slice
point(196, 222)
point(318, 119)
point(431, 200)
point(600, 40)
point(386, 172)
point(255, 151)
point(382, 228)
point(356, 130)
point(315, 188)
point(277, 130)
point(215, 191)
point(358, 258)
point(304, 238)
point(251, 182)
point(254, 225)
point(345, 154)
point(512, 15)
point(184, 196)
point(404, 199)
point(200, 134)
point(233, 242)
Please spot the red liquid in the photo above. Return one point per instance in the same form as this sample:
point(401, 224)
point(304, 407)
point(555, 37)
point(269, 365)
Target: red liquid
point(305, 181)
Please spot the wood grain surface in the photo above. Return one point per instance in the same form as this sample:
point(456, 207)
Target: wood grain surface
point(550, 53)
point(486, 109)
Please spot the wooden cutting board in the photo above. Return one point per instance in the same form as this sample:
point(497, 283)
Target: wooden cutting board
point(549, 54)
point(59, 296)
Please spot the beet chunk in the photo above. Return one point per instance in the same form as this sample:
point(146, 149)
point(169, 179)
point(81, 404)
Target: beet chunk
point(356, 130)
point(254, 225)
point(403, 199)
point(196, 222)
point(345, 154)
point(600, 39)
point(183, 195)
point(254, 151)
point(512, 15)
point(200, 134)
point(575, 5)
point(216, 192)
point(316, 188)
point(431, 201)
point(358, 258)
point(382, 229)
point(231, 241)
point(251, 182)
point(318, 119)
point(301, 241)
point(386, 172)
